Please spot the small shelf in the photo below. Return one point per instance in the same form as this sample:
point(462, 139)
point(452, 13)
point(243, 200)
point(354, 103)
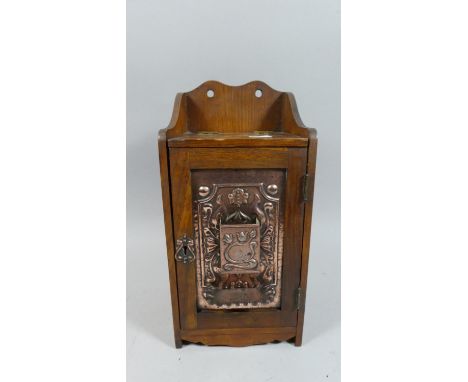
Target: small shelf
point(249, 139)
point(251, 115)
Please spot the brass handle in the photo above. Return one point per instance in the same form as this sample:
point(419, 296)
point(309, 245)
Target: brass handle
point(184, 250)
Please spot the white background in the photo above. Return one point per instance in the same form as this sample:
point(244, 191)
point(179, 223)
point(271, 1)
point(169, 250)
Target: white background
point(174, 47)
point(62, 151)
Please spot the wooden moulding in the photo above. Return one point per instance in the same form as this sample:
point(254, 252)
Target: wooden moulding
point(223, 128)
point(238, 337)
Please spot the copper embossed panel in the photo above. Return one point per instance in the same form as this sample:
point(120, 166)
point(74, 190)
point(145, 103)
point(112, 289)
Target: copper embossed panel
point(238, 220)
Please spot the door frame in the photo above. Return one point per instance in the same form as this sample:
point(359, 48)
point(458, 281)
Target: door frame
point(294, 160)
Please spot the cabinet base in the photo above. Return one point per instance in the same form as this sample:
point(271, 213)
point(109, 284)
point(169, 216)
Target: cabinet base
point(238, 337)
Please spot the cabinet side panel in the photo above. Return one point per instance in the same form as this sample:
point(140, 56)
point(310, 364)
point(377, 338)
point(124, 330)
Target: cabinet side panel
point(311, 160)
point(166, 198)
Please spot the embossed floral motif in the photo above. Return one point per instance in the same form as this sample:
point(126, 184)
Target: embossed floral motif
point(238, 197)
point(227, 238)
point(242, 236)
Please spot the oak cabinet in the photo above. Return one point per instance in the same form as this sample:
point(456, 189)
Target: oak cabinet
point(237, 175)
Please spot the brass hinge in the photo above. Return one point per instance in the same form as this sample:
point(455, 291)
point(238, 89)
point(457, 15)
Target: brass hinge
point(307, 188)
point(299, 298)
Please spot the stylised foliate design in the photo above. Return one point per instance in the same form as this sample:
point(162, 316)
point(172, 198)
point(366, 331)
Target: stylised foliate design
point(238, 239)
point(238, 196)
point(239, 248)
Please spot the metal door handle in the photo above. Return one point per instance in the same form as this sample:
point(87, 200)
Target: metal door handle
point(185, 251)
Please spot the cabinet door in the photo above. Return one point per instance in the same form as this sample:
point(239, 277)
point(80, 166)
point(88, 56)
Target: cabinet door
point(238, 222)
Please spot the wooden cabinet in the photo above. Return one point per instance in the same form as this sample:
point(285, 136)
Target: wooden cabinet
point(237, 175)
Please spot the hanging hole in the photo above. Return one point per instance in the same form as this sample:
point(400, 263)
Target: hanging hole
point(210, 93)
point(258, 93)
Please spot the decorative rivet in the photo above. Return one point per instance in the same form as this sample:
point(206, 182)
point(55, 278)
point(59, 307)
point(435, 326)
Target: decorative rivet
point(272, 189)
point(203, 191)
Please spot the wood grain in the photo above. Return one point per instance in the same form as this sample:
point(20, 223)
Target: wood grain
point(257, 139)
point(182, 220)
point(238, 337)
point(236, 129)
point(182, 162)
point(166, 195)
